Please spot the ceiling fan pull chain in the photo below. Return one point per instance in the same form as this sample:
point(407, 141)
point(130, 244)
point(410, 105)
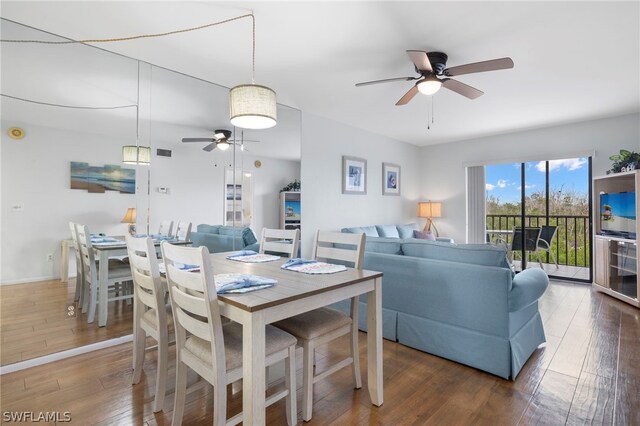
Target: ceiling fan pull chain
point(428, 118)
point(432, 110)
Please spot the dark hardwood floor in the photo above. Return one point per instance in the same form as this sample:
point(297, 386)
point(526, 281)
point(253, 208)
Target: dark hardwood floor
point(588, 372)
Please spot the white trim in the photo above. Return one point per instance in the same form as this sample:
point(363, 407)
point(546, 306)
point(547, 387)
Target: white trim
point(31, 280)
point(541, 157)
point(11, 368)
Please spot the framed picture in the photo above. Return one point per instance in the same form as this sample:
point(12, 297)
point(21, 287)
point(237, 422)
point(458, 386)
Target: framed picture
point(354, 175)
point(390, 179)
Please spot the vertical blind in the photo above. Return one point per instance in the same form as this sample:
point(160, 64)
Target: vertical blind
point(476, 209)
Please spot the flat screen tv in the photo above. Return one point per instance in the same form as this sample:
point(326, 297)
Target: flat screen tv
point(618, 214)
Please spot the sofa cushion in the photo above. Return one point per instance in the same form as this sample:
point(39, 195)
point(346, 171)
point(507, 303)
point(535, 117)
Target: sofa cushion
point(527, 287)
point(230, 230)
point(388, 231)
point(424, 235)
point(209, 229)
point(406, 231)
point(248, 236)
point(477, 254)
point(383, 245)
point(369, 231)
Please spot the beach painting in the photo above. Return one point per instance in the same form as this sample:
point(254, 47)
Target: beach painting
point(354, 175)
point(98, 179)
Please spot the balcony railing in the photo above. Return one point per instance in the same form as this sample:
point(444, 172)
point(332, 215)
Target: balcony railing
point(571, 244)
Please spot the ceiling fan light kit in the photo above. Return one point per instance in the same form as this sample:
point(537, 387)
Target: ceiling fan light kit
point(429, 85)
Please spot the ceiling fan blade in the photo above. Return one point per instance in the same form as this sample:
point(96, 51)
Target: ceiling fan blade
point(387, 80)
point(197, 140)
point(492, 65)
point(210, 147)
point(461, 88)
point(408, 96)
point(420, 60)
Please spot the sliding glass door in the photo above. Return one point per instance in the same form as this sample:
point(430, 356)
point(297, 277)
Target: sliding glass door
point(542, 211)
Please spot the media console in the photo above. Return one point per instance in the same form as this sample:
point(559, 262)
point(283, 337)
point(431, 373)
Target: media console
point(616, 256)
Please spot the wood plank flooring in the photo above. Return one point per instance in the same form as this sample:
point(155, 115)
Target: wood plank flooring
point(34, 321)
point(588, 372)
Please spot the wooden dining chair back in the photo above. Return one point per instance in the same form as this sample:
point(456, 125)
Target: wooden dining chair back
point(183, 231)
point(324, 325)
point(79, 269)
point(280, 241)
point(165, 229)
point(151, 317)
point(208, 347)
point(118, 274)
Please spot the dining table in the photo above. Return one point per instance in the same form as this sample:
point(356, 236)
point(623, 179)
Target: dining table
point(113, 247)
point(293, 294)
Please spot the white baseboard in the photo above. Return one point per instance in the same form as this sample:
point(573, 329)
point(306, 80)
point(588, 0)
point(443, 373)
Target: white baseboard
point(11, 368)
point(29, 280)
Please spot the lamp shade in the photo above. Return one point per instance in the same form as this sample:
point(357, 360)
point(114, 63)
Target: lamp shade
point(129, 216)
point(429, 86)
point(252, 106)
point(429, 209)
point(132, 154)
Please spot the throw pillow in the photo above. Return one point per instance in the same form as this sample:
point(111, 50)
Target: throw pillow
point(406, 231)
point(424, 235)
point(389, 231)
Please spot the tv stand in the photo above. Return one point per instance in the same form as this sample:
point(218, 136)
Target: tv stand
point(616, 257)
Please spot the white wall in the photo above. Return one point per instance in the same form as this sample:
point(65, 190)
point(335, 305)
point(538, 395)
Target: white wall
point(324, 207)
point(36, 175)
point(443, 175)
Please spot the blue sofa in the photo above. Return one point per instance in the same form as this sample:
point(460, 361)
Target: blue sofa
point(460, 302)
point(219, 238)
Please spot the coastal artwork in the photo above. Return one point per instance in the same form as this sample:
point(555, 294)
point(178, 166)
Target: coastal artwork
point(98, 179)
point(354, 175)
point(292, 210)
point(390, 179)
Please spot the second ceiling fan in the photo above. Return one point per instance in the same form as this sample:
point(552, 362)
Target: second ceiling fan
point(221, 140)
point(433, 74)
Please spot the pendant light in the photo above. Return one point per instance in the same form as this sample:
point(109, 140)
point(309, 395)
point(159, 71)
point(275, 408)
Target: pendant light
point(252, 106)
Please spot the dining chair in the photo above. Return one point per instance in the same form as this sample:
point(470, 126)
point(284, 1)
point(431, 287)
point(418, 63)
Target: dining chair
point(212, 349)
point(547, 234)
point(151, 317)
point(79, 294)
point(118, 275)
point(323, 325)
point(183, 231)
point(280, 241)
point(166, 226)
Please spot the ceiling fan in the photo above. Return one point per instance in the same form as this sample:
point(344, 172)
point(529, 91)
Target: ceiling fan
point(219, 140)
point(433, 75)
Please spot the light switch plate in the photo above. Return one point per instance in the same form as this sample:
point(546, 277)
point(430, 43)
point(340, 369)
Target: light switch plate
point(17, 208)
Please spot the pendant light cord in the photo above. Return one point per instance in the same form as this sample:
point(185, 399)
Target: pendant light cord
point(155, 35)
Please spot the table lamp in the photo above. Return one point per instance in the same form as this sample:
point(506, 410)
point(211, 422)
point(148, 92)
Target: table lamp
point(130, 218)
point(430, 210)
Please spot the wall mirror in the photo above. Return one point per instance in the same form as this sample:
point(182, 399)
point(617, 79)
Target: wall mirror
point(38, 202)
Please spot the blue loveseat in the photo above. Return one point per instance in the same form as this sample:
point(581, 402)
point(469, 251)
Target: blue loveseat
point(460, 302)
point(219, 238)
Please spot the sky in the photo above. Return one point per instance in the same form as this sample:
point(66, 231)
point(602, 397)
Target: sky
point(503, 180)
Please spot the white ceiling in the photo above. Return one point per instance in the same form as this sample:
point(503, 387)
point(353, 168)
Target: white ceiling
point(574, 61)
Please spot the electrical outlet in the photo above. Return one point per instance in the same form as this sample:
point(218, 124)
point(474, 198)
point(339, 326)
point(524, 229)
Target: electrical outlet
point(50, 257)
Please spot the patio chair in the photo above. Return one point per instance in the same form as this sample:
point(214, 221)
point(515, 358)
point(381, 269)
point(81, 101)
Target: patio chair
point(547, 234)
point(530, 244)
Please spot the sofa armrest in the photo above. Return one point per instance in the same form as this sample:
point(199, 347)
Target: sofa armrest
point(528, 286)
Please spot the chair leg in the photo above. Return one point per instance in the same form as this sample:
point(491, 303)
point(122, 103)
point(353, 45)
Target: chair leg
point(290, 382)
point(139, 340)
point(86, 296)
point(93, 302)
point(555, 260)
point(355, 354)
point(180, 393)
point(220, 403)
point(308, 350)
point(539, 259)
point(161, 378)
